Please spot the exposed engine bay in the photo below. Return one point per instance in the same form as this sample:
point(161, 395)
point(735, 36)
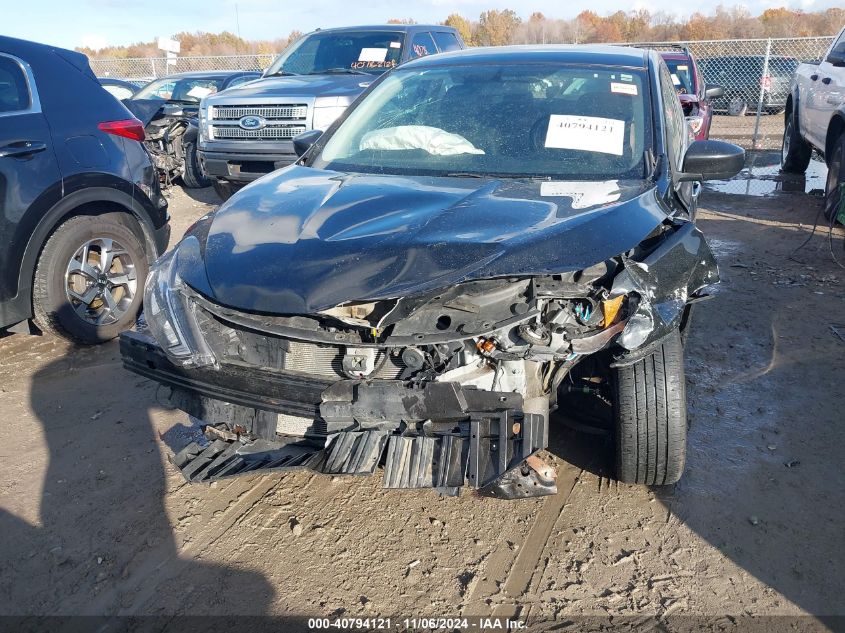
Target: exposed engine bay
point(165, 127)
point(446, 387)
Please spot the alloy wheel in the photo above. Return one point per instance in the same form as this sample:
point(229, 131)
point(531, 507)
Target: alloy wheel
point(100, 281)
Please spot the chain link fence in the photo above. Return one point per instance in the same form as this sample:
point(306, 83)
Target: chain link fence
point(755, 75)
point(147, 68)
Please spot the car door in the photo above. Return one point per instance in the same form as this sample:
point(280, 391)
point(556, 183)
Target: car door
point(28, 167)
point(825, 94)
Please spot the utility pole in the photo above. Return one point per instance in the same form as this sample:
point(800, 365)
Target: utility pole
point(238, 26)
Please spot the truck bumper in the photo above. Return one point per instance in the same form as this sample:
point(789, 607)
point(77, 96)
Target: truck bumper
point(489, 442)
point(246, 166)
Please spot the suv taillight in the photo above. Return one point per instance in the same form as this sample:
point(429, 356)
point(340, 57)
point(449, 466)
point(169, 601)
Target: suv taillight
point(766, 82)
point(128, 128)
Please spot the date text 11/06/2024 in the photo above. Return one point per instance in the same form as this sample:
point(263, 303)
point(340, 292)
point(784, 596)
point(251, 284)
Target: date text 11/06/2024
point(417, 624)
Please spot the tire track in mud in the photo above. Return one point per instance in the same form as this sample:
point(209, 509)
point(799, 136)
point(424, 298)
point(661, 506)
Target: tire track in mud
point(159, 565)
point(509, 576)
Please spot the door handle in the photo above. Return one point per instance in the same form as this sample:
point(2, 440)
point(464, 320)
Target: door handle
point(813, 77)
point(22, 148)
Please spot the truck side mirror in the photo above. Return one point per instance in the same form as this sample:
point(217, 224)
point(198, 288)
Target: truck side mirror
point(836, 57)
point(712, 160)
point(303, 142)
point(714, 91)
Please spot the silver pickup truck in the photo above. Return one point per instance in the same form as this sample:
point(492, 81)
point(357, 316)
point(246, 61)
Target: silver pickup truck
point(247, 132)
point(815, 119)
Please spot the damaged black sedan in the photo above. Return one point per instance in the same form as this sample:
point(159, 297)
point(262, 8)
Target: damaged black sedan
point(479, 230)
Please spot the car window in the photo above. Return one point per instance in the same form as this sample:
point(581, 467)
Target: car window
point(14, 94)
point(422, 45)
point(505, 120)
point(676, 129)
point(681, 71)
point(188, 90)
point(119, 92)
point(446, 41)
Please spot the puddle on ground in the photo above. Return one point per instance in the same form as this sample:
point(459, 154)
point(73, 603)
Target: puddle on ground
point(761, 177)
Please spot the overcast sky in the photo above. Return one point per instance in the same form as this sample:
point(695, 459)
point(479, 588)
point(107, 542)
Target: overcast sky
point(97, 23)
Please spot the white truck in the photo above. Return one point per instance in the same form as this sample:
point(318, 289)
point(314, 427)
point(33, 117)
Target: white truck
point(815, 119)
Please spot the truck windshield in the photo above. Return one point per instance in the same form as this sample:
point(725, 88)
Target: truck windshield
point(330, 52)
point(682, 75)
point(510, 120)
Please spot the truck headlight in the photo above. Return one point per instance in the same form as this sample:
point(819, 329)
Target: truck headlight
point(324, 117)
point(171, 315)
point(203, 121)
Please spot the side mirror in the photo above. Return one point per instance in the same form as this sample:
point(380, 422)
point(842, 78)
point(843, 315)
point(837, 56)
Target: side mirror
point(712, 160)
point(714, 92)
point(304, 141)
point(836, 58)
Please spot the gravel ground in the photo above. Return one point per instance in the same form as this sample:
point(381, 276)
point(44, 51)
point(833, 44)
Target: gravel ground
point(96, 522)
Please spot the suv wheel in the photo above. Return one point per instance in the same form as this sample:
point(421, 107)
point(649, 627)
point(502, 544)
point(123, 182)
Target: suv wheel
point(194, 178)
point(835, 179)
point(795, 151)
point(737, 106)
point(650, 415)
point(90, 277)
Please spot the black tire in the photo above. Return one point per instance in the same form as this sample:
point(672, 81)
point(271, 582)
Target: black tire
point(835, 178)
point(194, 178)
point(737, 106)
point(52, 306)
point(650, 415)
point(795, 152)
point(225, 189)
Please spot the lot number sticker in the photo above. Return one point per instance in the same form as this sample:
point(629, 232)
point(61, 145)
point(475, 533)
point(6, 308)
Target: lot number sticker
point(586, 133)
point(372, 55)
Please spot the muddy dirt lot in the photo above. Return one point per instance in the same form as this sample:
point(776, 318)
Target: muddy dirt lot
point(95, 521)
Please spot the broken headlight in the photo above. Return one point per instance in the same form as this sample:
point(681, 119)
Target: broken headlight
point(171, 315)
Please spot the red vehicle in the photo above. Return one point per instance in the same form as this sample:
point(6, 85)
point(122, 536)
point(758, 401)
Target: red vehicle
point(694, 95)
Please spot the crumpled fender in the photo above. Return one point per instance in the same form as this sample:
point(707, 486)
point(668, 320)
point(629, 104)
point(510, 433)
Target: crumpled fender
point(665, 280)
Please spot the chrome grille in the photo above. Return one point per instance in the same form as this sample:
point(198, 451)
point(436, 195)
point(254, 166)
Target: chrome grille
point(269, 132)
point(270, 112)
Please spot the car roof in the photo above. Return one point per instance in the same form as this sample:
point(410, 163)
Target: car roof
point(387, 27)
point(588, 54)
point(675, 55)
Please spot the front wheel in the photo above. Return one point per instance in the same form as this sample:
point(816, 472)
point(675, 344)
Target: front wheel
point(194, 178)
point(835, 179)
point(795, 152)
point(650, 416)
point(89, 278)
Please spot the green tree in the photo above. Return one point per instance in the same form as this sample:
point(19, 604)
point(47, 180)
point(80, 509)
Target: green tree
point(496, 28)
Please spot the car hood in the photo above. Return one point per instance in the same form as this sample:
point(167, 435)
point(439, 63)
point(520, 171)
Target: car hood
point(303, 240)
point(305, 86)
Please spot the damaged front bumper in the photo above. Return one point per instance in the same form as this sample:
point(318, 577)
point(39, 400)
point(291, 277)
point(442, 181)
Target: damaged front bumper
point(454, 435)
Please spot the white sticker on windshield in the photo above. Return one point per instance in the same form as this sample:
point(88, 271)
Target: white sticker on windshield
point(586, 133)
point(199, 92)
point(675, 79)
point(683, 67)
point(396, 45)
point(624, 89)
point(372, 55)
